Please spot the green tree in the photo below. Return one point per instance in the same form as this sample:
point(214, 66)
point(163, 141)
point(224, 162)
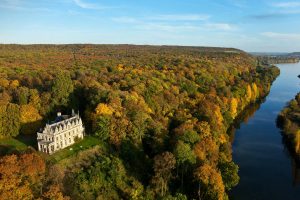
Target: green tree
point(184, 157)
point(23, 94)
point(9, 120)
point(61, 90)
point(103, 127)
point(190, 137)
point(230, 176)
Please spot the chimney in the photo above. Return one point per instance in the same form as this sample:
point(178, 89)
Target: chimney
point(58, 114)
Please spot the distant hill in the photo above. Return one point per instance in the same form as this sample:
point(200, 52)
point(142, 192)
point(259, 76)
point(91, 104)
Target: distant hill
point(295, 54)
point(269, 53)
point(119, 46)
point(276, 58)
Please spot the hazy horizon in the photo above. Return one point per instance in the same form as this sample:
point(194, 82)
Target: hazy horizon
point(251, 52)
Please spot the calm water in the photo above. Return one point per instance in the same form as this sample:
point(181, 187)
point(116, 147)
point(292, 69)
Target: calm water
point(266, 169)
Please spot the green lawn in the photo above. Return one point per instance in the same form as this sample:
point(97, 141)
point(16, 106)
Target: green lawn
point(84, 144)
point(9, 145)
point(21, 143)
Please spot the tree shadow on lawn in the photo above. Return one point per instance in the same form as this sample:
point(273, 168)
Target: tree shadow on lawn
point(28, 140)
point(18, 144)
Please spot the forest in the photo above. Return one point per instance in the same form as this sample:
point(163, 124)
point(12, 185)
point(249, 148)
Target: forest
point(157, 116)
point(289, 121)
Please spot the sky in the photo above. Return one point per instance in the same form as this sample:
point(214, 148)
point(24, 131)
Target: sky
point(250, 25)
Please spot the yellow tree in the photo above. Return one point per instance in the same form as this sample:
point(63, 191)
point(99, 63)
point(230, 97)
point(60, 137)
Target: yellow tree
point(210, 180)
point(30, 119)
point(203, 128)
point(34, 98)
point(248, 93)
point(218, 115)
point(207, 150)
point(103, 109)
point(234, 107)
point(4, 83)
point(297, 141)
point(255, 92)
point(14, 84)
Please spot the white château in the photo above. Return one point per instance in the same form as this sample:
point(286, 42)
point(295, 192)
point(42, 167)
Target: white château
point(61, 133)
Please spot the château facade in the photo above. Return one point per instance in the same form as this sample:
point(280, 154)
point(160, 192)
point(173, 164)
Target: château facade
point(61, 133)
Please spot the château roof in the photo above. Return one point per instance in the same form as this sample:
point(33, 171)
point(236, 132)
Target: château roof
point(62, 122)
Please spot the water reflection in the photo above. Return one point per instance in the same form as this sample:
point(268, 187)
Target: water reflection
point(295, 159)
point(296, 171)
point(244, 118)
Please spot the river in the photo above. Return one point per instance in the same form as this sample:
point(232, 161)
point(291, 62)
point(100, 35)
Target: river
point(266, 169)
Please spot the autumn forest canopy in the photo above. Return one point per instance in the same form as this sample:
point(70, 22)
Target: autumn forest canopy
point(158, 117)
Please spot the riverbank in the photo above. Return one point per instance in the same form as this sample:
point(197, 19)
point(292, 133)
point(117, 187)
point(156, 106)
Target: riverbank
point(289, 121)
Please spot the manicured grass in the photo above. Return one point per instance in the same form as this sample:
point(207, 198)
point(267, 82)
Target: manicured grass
point(84, 144)
point(9, 145)
point(22, 142)
point(29, 140)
